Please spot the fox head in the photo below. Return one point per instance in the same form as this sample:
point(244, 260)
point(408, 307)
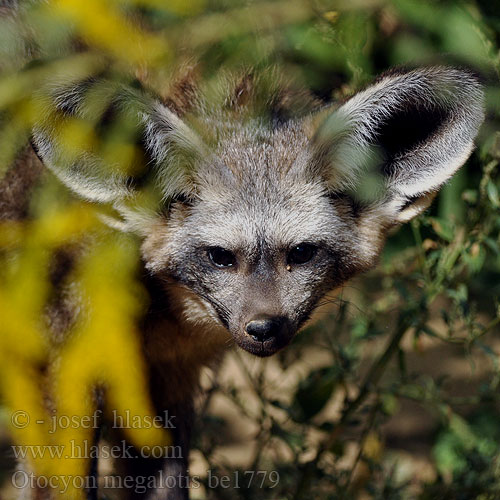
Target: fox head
point(261, 217)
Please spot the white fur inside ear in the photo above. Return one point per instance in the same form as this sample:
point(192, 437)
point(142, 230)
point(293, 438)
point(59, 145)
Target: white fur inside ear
point(130, 219)
point(449, 152)
point(423, 122)
point(417, 207)
point(84, 174)
point(114, 223)
point(174, 147)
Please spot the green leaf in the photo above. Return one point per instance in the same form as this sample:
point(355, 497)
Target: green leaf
point(470, 196)
point(314, 392)
point(492, 192)
point(443, 228)
point(475, 257)
point(390, 404)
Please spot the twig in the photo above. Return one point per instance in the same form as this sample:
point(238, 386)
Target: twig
point(371, 379)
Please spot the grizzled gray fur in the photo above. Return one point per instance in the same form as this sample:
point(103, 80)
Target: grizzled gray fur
point(265, 203)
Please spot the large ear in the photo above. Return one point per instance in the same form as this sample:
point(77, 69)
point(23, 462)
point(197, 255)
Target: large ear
point(405, 135)
point(81, 120)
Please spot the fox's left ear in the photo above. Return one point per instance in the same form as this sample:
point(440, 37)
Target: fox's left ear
point(407, 134)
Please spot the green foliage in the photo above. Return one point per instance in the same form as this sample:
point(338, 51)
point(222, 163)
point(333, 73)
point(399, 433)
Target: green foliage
point(313, 392)
point(415, 341)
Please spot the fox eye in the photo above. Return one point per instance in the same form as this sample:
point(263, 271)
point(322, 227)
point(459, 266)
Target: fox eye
point(301, 254)
point(221, 257)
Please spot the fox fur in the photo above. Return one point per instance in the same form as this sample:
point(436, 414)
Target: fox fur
point(266, 200)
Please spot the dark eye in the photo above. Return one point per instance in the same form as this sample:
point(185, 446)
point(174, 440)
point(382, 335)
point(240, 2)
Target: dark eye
point(221, 257)
point(301, 253)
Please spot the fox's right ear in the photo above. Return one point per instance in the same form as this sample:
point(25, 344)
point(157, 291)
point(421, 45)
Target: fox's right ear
point(400, 139)
point(165, 149)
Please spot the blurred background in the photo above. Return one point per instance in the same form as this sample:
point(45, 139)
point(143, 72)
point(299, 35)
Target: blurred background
point(391, 392)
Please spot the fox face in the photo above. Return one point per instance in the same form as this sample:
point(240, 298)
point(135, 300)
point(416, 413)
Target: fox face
point(263, 217)
point(261, 242)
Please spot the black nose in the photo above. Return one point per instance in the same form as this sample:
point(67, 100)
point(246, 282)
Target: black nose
point(264, 328)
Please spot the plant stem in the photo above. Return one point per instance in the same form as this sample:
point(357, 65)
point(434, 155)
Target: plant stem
point(371, 379)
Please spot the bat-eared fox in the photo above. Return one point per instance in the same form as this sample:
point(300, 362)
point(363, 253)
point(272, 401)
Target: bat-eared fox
point(267, 201)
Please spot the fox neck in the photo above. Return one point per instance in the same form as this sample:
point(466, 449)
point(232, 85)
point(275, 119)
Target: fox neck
point(180, 329)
